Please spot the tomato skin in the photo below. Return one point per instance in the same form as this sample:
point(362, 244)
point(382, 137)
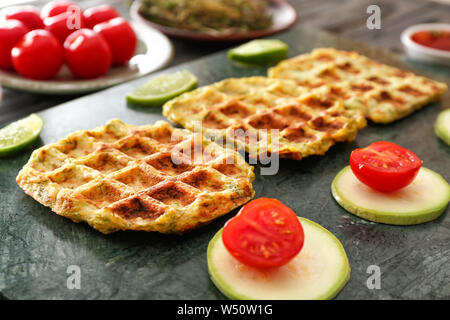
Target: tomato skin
point(38, 55)
point(59, 25)
point(264, 234)
point(54, 8)
point(11, 31)
point(385, 166)
point(28, 15)
point(120, 37)
point(99, 14)
point(87, 54)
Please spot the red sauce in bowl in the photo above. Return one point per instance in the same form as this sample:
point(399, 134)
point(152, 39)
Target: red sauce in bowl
point(433, 39)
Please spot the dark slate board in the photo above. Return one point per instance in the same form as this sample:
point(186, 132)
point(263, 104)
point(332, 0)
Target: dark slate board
point(37, 245)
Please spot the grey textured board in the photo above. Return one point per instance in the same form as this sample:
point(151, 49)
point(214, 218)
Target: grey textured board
point(37, 246)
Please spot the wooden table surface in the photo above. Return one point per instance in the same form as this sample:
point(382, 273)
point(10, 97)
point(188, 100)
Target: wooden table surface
point(345, 17)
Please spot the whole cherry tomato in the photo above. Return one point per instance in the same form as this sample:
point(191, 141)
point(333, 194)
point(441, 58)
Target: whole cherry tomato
point(63, 24)
point(11, 31)
point(28, 15)
point(53, 8)
point(120, 37)
point(39, 55)
point(264, 234)
point(385, 166)
point(99, 14)
point(87, 54)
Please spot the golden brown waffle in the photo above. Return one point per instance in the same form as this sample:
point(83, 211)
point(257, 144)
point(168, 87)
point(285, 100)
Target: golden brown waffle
point(243, 111)
point(383, 93)
point(123, 177)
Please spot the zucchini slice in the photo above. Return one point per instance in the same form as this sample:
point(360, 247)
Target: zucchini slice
point(423, 200)
point(442, 126)
point(319, 271)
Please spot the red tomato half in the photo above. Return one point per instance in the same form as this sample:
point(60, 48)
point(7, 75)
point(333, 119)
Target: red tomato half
point(11, 31)
point(28, 15)
point(39, 55)
point(264, 234)
point(99, 14)
point(120, 37)
point(385, 166)
point(87, 54)
point(64, 24)
point(53, 8)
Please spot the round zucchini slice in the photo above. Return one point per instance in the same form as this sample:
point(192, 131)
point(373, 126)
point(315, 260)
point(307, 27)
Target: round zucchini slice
point(423, 200)
point(318, 272)
point(442, 126)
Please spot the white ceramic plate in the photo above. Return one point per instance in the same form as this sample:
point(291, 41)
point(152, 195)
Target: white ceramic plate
point(154, 52)
point(284, 16)
point(419, 52)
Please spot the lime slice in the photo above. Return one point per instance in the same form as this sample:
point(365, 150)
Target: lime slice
point(260, 52)
point(161, 89)
point(20, 134)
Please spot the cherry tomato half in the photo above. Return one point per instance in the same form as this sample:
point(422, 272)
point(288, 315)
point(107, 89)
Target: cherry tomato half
point(87, 54)
point(120, 37)
point(53, 8)
point(28, 15)
point(11, 31)
point(385, 166)
point(64, 24)
point(99, 14)
point(39, 55)
point(264, 234)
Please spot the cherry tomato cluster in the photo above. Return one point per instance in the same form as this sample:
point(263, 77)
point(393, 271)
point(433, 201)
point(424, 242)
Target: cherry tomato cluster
point(36, 43)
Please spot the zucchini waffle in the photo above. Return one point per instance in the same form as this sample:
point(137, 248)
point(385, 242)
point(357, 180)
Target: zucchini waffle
point(243, 111)
point(123, 177)
point(383, 93)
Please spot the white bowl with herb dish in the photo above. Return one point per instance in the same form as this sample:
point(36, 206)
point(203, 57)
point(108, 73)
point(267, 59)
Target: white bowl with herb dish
point(215, 20)
point(419, 52)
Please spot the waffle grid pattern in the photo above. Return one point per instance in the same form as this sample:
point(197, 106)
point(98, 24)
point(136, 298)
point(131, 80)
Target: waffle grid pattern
point(245, 111)
point(121, 177)
point(383, 93)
